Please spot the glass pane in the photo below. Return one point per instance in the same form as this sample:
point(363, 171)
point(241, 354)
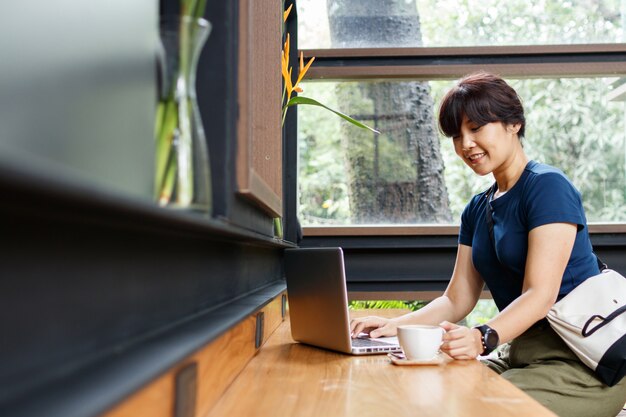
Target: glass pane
point(349, 176)
point(434, 23)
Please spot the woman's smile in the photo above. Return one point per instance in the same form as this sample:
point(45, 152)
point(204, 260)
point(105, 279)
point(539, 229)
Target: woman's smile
point(476, 158)
point(486, 148)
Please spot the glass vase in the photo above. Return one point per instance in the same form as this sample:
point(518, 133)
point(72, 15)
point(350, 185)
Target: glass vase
point(183, 176)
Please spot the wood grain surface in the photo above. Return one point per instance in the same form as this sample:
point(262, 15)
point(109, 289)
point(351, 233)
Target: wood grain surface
point(290, 379)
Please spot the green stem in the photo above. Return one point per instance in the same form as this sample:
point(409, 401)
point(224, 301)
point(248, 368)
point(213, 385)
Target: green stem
point(158, 122)
point(168, 182)
point(164, 142)
point(187, 7)
point(278, 227)
point(282, 123)
point(282, 100)
point(199, 11)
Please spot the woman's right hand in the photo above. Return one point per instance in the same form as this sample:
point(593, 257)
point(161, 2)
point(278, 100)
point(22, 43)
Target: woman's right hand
point(374, 326)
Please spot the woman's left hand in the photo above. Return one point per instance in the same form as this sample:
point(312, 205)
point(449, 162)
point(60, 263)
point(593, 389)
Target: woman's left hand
point(461, 342)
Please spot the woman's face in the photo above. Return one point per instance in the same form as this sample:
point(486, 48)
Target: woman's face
point(486, 148)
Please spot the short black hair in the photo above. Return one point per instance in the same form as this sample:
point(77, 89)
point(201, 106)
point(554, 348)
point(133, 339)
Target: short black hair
point(482, 98)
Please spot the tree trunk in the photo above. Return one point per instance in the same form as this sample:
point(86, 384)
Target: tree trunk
point(397, 176)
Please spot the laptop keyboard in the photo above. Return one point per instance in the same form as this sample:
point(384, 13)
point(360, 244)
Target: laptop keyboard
point(368, 343)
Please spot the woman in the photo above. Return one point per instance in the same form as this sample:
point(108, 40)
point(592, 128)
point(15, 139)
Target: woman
point(542, 251)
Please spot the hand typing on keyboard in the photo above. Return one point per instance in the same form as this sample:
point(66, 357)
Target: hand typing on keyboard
point(374, 326)
point(367, 342)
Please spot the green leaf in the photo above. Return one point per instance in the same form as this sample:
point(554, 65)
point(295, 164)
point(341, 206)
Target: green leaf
point(305, 100)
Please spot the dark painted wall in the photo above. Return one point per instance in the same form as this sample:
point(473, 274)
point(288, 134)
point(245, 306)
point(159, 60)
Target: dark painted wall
point(77, 290)
point(90, 268)
point(424, 263)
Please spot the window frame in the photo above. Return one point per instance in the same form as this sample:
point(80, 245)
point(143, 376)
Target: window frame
point(453, 62)
point(441, 63)
point(259, 160)
point(420, 230)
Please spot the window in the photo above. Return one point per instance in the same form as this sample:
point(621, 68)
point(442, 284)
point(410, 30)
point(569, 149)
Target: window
point(445, 23)
point(572, 91)
point(350, 176)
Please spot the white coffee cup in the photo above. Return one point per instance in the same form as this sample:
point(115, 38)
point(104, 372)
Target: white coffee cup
point(420, 342)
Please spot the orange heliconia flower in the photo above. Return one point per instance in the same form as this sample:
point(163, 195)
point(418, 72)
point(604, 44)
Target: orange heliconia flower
point(290, 86)
point(303, 68)
point(286, 13)
point(286, 71)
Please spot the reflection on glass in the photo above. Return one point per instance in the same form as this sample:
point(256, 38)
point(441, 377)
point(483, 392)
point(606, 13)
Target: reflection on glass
point(431, 23)
point(77, 90)
point(347, 176)
point(351, 175)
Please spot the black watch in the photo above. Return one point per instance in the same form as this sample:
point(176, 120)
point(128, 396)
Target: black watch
point(490, 339)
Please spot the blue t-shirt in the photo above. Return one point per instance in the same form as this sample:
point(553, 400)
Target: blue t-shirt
point(542, 195)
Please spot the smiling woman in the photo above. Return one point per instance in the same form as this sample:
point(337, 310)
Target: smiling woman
point(530, 246)
point(485, 118)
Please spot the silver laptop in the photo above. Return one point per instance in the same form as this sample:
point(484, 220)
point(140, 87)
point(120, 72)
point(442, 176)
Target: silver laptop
point(318, 303)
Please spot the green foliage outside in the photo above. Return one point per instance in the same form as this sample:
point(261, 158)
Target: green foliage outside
point(571, 124)
point(379, 304)
point(482, 313)
point(519, 22)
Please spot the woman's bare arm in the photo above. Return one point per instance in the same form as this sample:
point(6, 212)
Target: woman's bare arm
point(457, 301)
point(549, 249)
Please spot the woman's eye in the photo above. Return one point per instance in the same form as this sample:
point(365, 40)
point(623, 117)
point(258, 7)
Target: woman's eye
point(476, 129)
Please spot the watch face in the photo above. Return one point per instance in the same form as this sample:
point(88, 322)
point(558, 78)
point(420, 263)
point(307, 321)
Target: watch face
point(491, 338)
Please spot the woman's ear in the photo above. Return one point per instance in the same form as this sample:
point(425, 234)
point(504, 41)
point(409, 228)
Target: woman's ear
point(514, 127)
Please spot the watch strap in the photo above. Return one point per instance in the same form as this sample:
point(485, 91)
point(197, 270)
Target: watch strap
point(486, 332)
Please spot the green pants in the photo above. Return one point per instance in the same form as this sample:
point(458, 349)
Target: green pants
point(541, 364)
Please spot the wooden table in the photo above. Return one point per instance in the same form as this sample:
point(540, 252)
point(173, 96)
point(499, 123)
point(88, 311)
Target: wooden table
point(290, 379)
